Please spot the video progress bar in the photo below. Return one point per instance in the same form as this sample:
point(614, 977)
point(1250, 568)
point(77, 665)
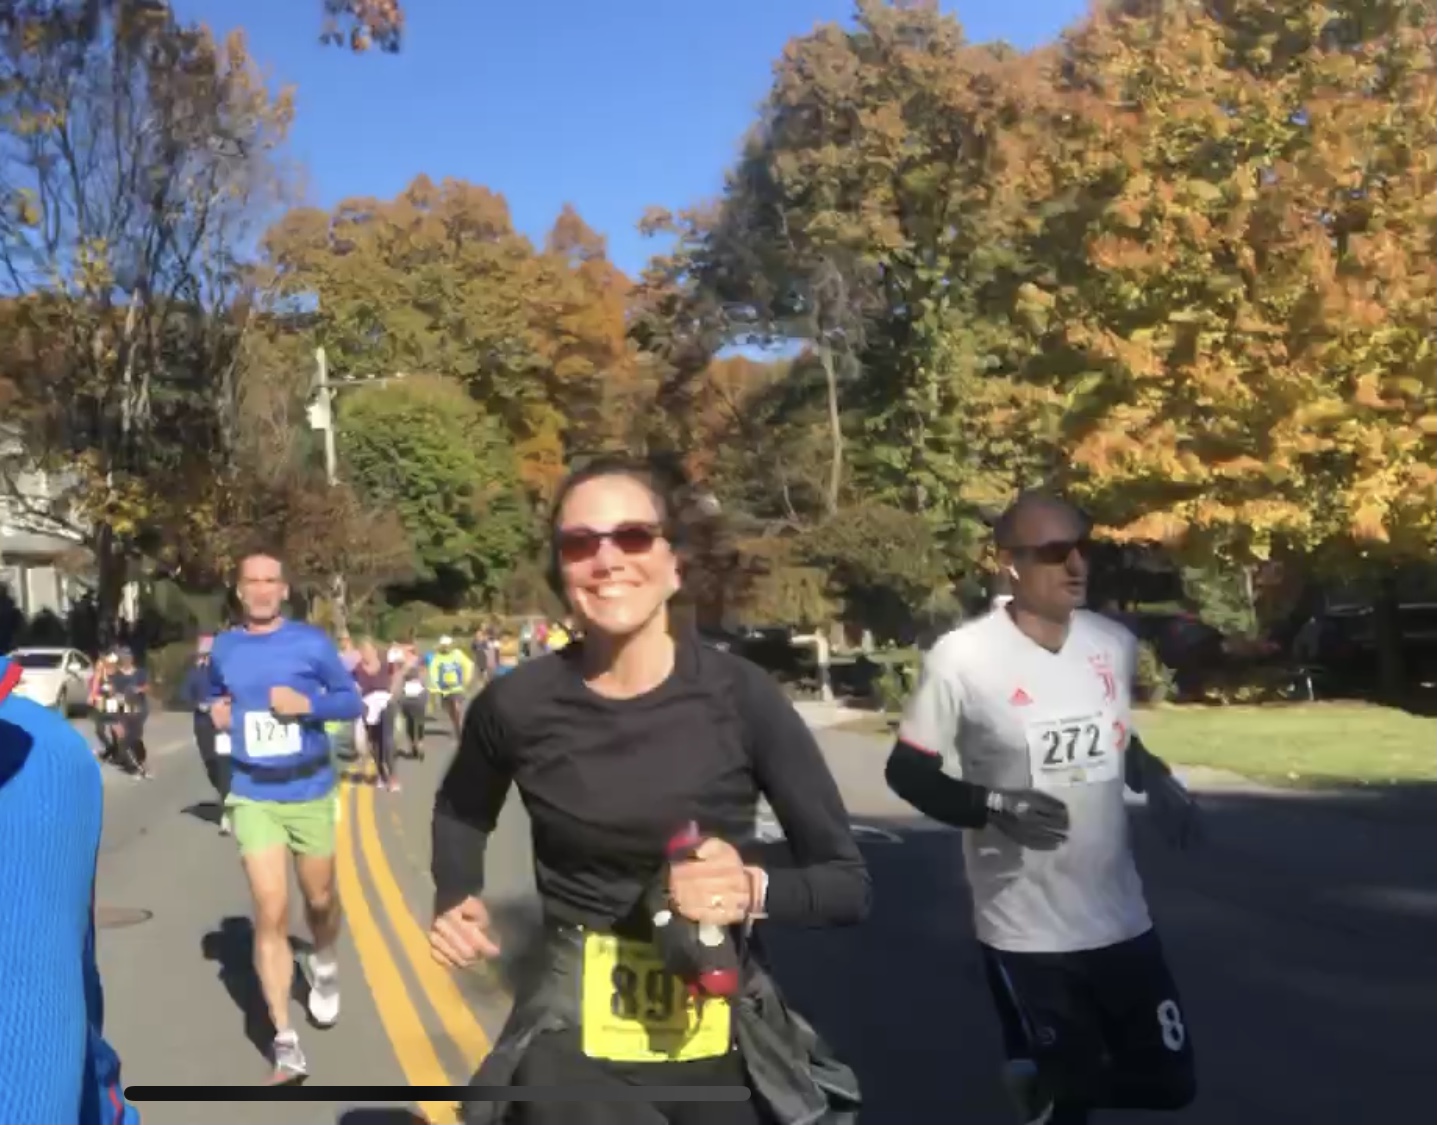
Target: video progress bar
point(567, 1093)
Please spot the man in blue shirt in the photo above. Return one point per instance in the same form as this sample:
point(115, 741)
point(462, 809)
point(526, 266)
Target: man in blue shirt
point(274, 684)
point(55, 1066)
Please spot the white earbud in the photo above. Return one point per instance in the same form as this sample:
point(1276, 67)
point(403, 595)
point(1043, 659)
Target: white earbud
point(1013, 573)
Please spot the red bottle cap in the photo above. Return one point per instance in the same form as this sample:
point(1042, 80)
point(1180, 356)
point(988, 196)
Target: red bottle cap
point(684, 841)
point(719, 982)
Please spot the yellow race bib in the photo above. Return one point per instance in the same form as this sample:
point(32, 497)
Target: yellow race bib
point(634, 1010)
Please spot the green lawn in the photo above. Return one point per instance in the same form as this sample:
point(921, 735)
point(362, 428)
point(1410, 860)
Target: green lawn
point(1305, 744)
point(1297, 744)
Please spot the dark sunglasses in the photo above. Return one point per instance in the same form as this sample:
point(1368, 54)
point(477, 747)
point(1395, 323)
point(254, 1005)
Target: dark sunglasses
point(579, 544)
point(1055, 553)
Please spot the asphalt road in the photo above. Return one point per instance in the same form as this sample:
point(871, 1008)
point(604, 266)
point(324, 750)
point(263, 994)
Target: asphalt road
point(1302, 937)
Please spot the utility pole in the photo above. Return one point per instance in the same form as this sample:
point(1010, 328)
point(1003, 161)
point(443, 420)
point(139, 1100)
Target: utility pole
point(321, 417)
point(325, 400)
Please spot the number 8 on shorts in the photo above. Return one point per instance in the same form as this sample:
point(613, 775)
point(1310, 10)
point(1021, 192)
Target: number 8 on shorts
point(1170, 1022)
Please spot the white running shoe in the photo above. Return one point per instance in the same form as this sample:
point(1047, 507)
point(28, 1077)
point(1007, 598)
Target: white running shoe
point(323, 1000)
point(290, 1065)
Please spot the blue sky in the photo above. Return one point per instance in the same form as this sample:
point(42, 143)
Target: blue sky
point(609, 106)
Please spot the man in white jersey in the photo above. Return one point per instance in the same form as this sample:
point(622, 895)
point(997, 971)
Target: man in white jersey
point(1020, 731)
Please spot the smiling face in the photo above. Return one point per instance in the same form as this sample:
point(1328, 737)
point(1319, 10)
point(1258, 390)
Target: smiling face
point(617, 568)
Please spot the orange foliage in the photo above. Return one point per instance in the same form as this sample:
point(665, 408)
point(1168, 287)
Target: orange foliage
point(1256, 299)
point(438, 280)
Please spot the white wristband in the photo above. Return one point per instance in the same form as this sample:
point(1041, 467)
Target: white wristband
point(758, 893)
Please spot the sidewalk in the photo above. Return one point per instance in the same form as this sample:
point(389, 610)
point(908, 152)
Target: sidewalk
point(820, 716)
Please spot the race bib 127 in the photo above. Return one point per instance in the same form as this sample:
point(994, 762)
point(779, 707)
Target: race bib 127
point(268, 736)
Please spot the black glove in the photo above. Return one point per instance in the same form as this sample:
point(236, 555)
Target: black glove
point(1030, 818)
point(1175, 814)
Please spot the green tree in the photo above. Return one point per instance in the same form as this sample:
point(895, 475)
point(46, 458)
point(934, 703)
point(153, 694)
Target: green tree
point(423, 448)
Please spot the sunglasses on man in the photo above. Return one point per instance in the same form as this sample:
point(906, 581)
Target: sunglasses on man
point(1054, 553)
point(580, 544)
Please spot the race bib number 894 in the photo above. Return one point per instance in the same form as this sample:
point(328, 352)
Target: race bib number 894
point(1073, 750)
point(636, 1011)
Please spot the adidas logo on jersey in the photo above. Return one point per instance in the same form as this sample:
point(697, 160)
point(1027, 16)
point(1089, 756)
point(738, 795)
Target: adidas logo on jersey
point(1019, 698)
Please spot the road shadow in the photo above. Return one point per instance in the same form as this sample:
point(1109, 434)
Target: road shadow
point(381, 1115)
point(1302, 938)
point(231, 947)
point(209, 811)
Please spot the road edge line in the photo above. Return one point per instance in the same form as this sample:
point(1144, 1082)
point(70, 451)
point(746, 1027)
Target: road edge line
point(408, 1039)
point(439, 987)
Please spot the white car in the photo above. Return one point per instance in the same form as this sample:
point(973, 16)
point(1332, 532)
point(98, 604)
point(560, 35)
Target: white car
point(54, 677)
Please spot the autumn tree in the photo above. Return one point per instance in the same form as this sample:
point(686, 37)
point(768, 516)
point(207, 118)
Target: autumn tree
point(364, 24)
point(583, 329)
point(424, 449)
point(320, 530)
point(134, 151)
point(1180, 262)
point(437, 280)
point(761, 278)
point(1243, 299)
point(361, 25)
point(873, 215)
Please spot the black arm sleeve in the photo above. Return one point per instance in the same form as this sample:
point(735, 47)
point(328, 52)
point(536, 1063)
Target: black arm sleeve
point(917, 776)
point(468, 803)
point(827, 883)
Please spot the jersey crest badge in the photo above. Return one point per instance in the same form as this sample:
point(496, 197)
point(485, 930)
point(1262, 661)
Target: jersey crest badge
point(1102, 666)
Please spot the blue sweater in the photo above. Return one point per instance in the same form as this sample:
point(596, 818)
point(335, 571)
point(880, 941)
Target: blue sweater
point(55, 1066)
point(245, 666)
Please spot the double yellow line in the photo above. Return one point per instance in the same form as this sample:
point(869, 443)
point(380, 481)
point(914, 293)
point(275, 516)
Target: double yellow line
point(413, 1046)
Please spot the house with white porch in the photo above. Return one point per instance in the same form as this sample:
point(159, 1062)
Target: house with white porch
point(38, 546)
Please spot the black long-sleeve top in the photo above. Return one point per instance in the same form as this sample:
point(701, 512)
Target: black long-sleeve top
point(607, 782)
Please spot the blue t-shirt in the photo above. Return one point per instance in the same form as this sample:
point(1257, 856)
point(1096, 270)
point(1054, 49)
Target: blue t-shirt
point(244, 666)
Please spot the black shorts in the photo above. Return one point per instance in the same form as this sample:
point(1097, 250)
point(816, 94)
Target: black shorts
point(1105, 1026)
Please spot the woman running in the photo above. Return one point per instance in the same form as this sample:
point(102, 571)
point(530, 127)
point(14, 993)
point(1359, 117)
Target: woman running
point(105, 708)
point(376, 678)
point(131, 686)
point(414, 696)
point(625, 745)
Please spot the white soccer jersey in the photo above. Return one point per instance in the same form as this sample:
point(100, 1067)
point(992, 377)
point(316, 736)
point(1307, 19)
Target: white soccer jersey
point(1006, 713)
